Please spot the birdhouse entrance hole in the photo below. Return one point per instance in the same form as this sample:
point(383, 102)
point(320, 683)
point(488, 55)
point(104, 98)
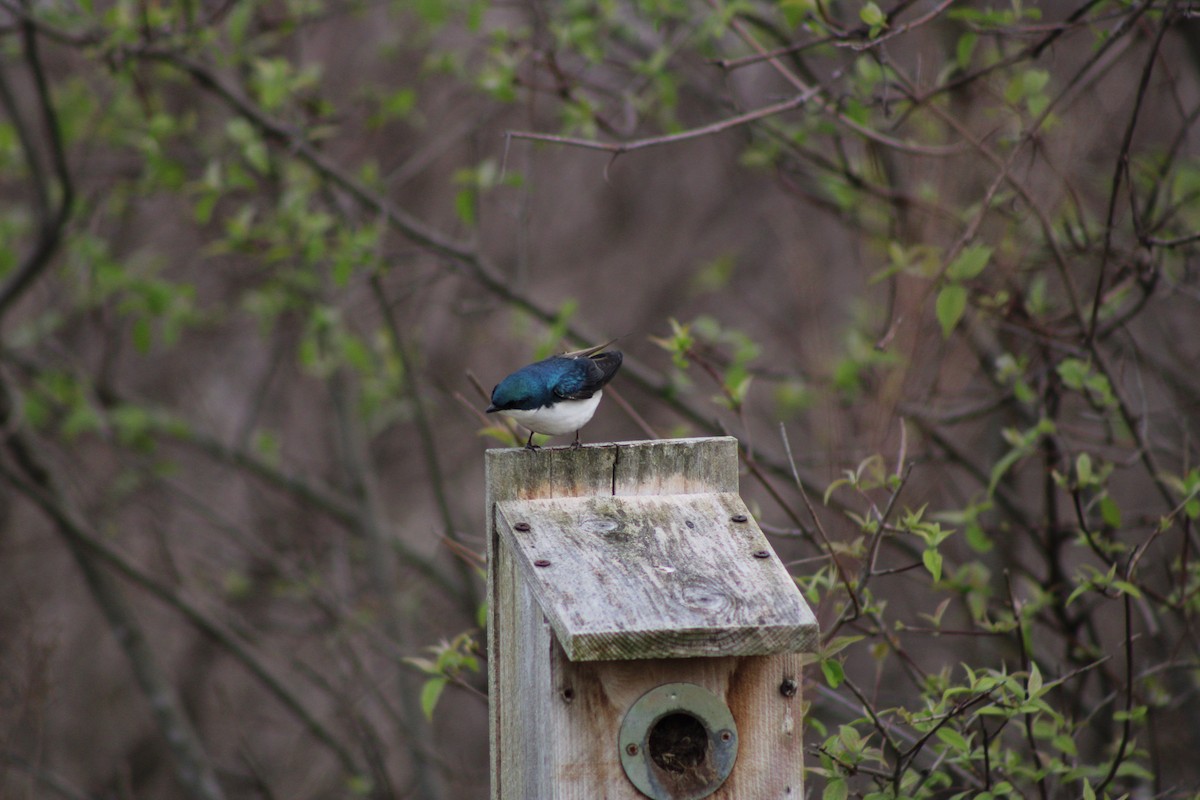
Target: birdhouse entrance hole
point(678, 742)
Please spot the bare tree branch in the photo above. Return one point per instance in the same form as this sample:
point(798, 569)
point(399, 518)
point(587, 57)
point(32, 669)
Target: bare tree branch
point(51, 222)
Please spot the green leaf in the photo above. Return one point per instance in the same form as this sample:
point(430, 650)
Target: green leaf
point(81, 419)
point(1003, 465)
point(951, 303)
point(1079, 591)
point(434, 12)
point(358, 785)
point(965, 48)
point(874, 17)
point(836, 789)
point(1125, 587)
point(955, 740)
point(464, 205)
point(839, 644)
point(1074, 372)
point(430, 692)
point(255, 153)
point(253, 149)
point(1034, 81)
point(271, 80)
point(794, 11)
point(1135, 714)
point(239, 21)
point(715, 275)
point(1037, 104)
point(1110, 512)
point(395, 105)
point(1034, 685)
point(977, 538)
point(834, 674)
point(933, 562)
point(1065, 744)
point(970, 263)
point(1083, 469)
point(833, 486)
point(142, 335)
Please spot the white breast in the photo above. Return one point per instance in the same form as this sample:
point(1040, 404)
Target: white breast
point(566, 416)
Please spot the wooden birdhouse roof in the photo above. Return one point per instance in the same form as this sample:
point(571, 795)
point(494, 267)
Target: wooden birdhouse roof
point(654, 576)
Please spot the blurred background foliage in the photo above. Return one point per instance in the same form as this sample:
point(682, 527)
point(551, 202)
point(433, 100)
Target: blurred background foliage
point(934, 264)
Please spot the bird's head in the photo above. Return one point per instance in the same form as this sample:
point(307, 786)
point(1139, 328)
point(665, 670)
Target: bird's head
point(524, 389)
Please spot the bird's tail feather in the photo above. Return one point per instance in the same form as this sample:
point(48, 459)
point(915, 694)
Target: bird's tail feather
point(608, 363)
point(588, 351)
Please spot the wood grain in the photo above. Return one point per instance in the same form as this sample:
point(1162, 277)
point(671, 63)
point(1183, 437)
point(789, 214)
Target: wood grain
point(642, 577)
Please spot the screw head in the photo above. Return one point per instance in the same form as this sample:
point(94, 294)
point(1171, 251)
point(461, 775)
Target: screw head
point(762, 554)
point(542, 562)
point(521, 526)
point(631, 748)
point(739, 518)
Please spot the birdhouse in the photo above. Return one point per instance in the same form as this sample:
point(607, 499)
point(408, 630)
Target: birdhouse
point(644, 640)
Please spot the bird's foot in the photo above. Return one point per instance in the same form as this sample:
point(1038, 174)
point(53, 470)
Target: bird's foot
point(576, 444)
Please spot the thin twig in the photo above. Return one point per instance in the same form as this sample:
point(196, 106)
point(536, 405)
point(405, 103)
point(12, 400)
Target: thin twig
point(1122, 163)
point(837, 564)
point(429, 450)
point(620, 148)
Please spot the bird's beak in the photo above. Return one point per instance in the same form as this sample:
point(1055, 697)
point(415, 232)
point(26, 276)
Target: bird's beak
point(490, 409)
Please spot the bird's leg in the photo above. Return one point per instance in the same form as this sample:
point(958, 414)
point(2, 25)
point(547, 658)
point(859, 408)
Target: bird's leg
point(576, 445)
point(529, 445)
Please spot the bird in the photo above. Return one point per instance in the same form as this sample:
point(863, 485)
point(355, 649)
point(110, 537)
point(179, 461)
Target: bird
point(558, 394)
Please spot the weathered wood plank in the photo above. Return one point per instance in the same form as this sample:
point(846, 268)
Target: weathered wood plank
point(666, 466)
point(585, 703)
point(677, 466)
point(641, 577)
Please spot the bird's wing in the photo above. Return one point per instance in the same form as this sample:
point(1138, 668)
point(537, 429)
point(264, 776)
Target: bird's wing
point(587, 375)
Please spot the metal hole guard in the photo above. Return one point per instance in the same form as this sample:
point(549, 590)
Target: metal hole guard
point(678, 742)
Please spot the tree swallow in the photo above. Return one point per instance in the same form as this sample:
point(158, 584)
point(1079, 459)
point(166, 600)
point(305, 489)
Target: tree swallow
point(556, 395)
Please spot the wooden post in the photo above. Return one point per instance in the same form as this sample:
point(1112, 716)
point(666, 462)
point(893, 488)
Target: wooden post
point(644, 640)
